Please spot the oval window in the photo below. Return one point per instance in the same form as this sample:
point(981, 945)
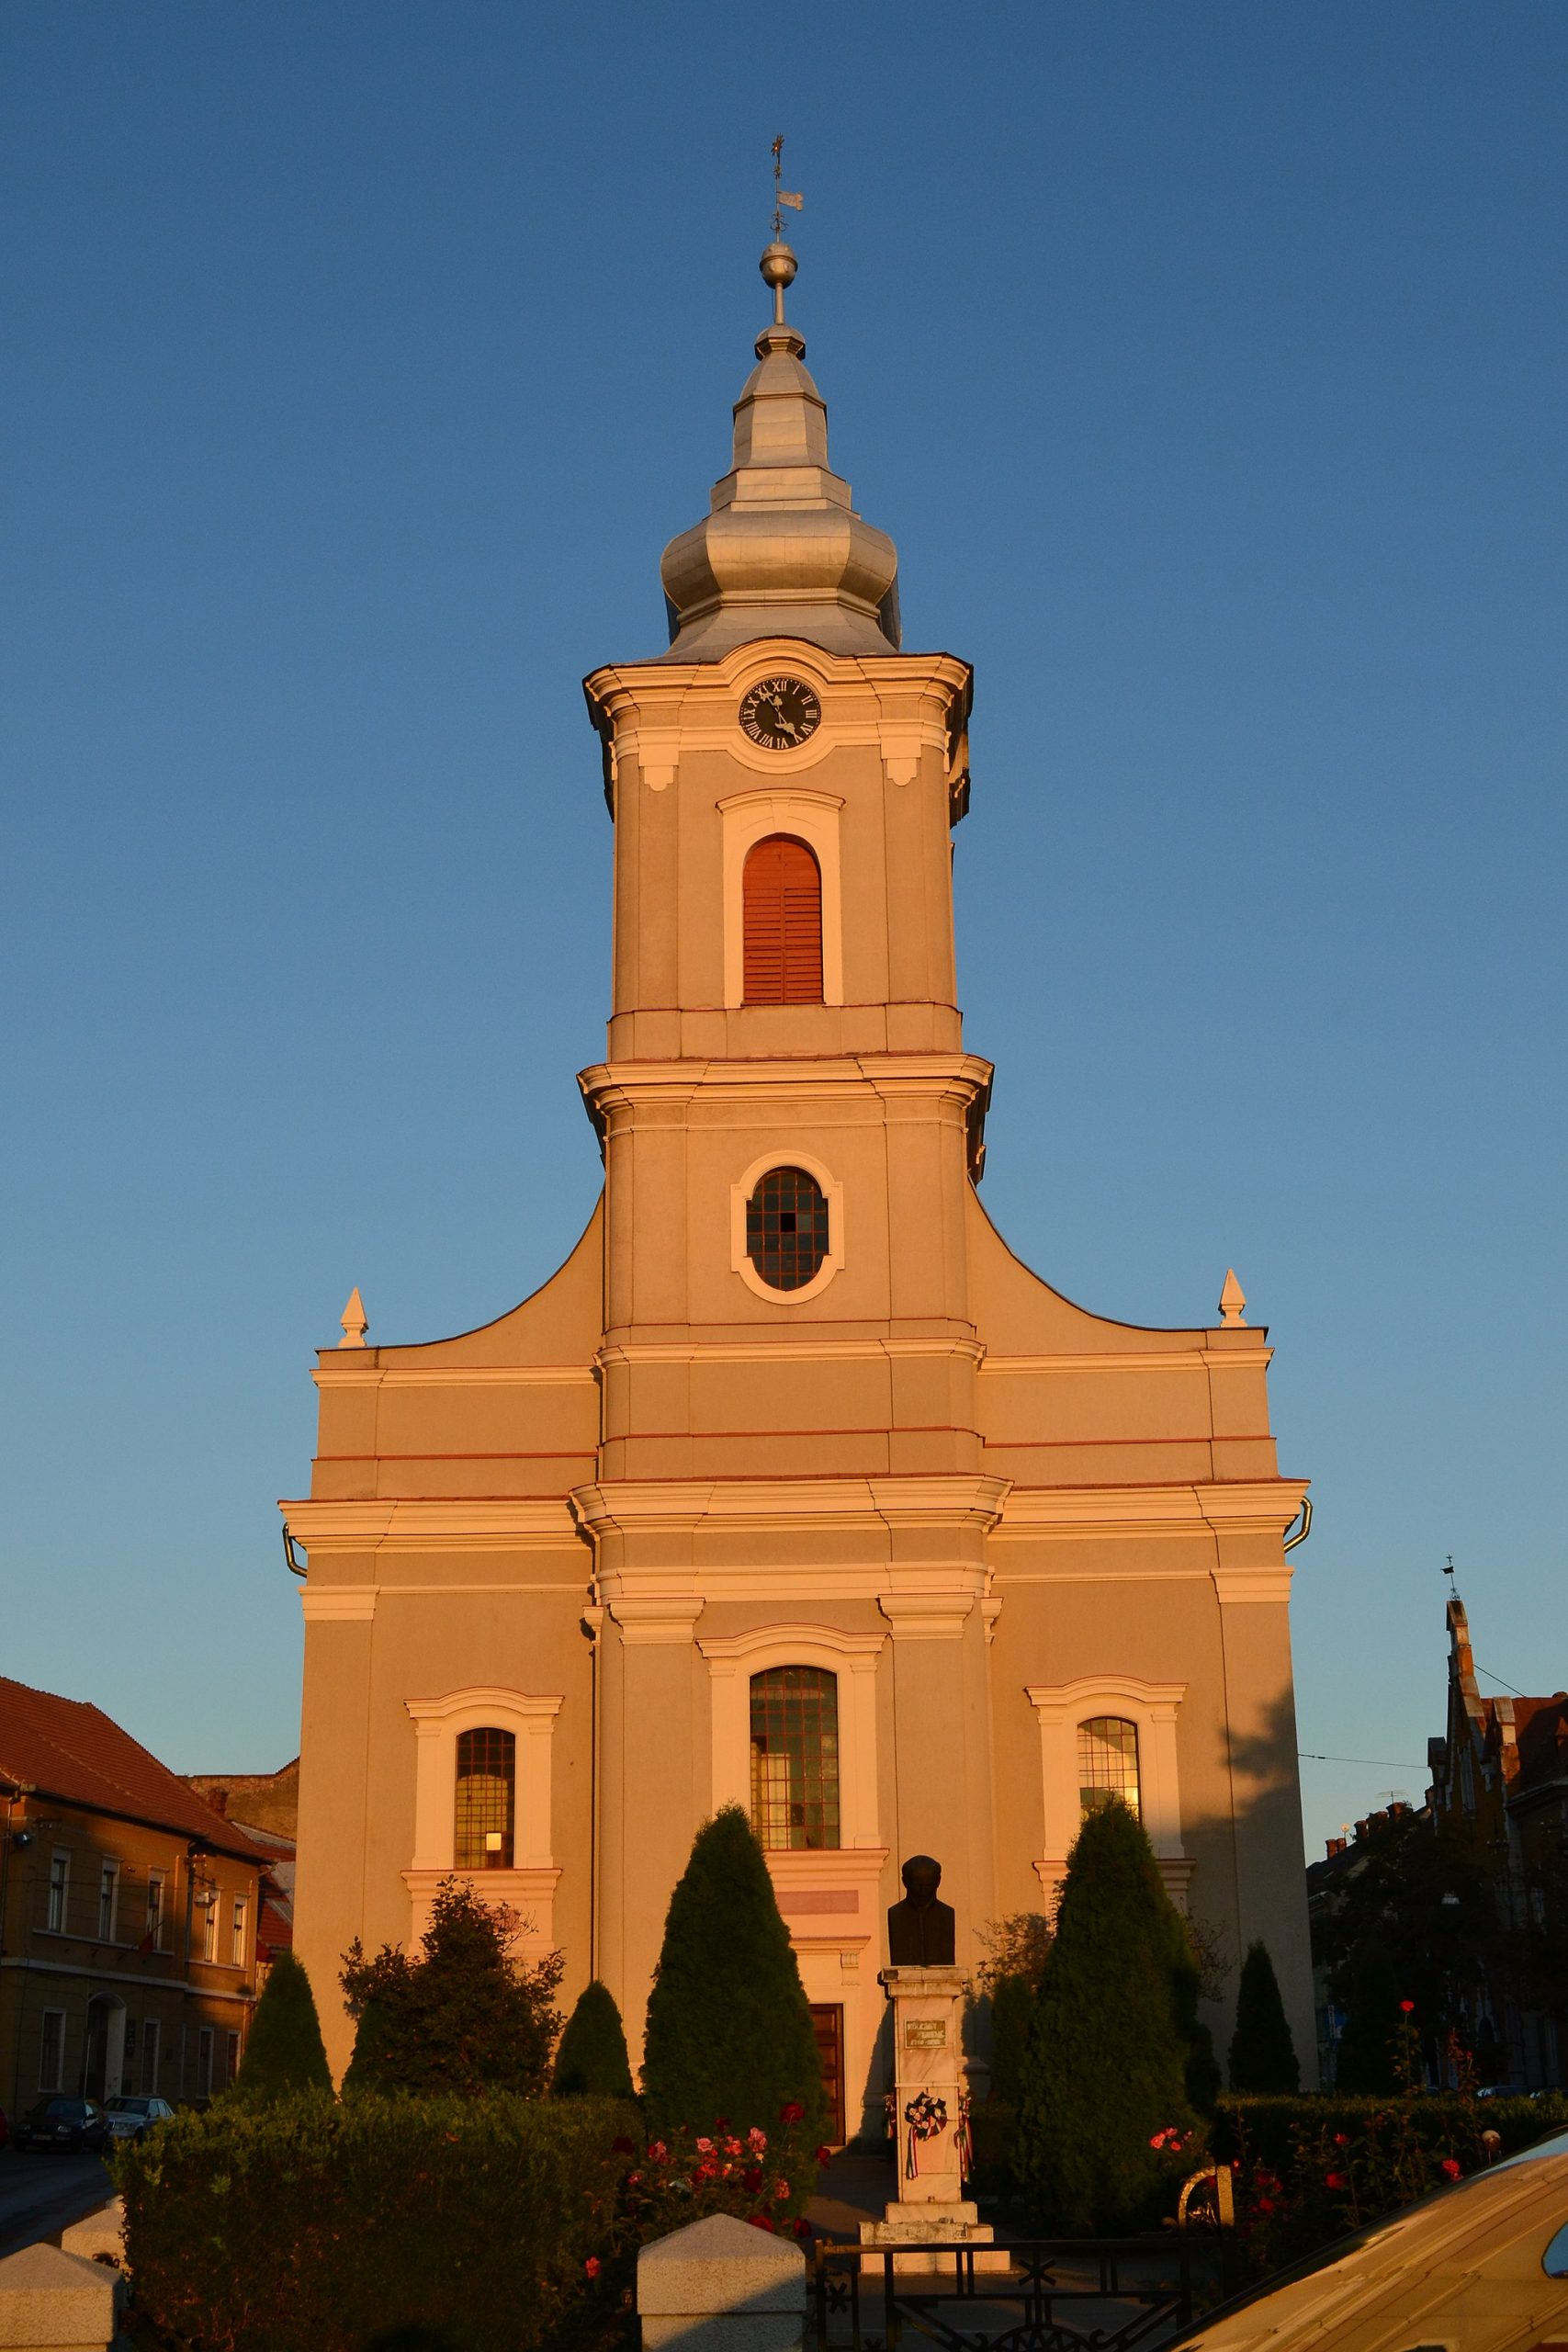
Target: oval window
point(786, 1228)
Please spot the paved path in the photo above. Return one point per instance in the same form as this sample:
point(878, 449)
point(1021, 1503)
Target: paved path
point(42, 2193)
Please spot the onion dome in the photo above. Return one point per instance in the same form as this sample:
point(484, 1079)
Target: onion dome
point(783, 553)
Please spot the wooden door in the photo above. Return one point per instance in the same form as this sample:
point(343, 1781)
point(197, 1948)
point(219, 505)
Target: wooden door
point(827, 2024)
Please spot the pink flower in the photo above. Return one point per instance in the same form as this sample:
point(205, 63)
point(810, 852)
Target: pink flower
point(781, 2191)
point(732, 2147)
point(593, 2265)
point(1450, 2167)
point(633, 2178)
point(706, 2147)
point(658, 2152)
point(756, 2139)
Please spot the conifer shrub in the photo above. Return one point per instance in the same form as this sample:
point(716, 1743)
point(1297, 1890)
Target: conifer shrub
point(285, 2051)
point(591, 2060)
point(729, 2027)
point(1103, 2118)
point(1262, 2054)
point(311, 2225)
point(464, 2015)
point(1012, 2013)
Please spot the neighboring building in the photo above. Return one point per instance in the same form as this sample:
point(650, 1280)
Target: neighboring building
point(1502, 1767)
point(793, 1486)
point(265, 1805)
point(1330, 1880)
point(127, 1914)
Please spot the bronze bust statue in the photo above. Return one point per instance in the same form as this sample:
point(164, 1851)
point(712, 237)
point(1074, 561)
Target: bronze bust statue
point(920, 1930)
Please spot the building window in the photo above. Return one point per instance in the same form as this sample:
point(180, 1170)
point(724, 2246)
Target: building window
point(154, 1936)
point(59, 1890)
point(795, 1756)
point(203, 2062)
point(487, 1782)
point(1107, 1763)
point(52, 2051)
point(209, 1925)
point(108, 1902)
point(231, 2056)
point(786, 1228)
point(152, 2035)
point(781, 919)
point(237, 1948)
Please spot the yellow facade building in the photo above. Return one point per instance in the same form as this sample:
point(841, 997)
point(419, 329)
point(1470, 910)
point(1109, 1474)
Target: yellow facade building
point(793, 1486)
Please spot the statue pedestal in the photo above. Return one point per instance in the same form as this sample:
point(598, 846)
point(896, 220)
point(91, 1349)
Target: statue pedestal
point(928, 2059)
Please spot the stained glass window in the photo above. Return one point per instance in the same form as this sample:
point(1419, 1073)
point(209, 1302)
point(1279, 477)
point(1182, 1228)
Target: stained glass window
point(487, 1773)
point(795, 1756)
point(786, 1228)
point(1108, 1762)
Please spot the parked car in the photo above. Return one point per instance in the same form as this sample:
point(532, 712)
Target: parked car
point(73, 2123)
point(1482, 2266)
point(130, 2118)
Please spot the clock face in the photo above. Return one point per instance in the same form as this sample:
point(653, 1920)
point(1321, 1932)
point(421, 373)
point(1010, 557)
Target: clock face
point(778, 713)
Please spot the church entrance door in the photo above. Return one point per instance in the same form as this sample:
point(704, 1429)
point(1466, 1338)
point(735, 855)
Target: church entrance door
point(827, 2024)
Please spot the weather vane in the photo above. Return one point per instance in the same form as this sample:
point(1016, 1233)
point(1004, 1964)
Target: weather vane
point(782, 196)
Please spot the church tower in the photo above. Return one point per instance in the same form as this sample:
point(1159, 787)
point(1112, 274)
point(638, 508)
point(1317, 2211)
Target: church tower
point(794, 1488)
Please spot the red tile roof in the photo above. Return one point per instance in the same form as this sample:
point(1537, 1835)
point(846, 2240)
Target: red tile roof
point(69, 1750)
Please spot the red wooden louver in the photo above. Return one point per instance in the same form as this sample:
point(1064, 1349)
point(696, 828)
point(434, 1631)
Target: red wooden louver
point(782, 912)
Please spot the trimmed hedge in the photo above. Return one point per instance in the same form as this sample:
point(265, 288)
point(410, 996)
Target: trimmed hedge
point(1271, 2131)
point(312, 2226)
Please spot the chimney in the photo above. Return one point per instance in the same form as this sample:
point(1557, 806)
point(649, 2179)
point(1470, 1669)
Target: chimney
point(1361, 1828)
point(219, 1800)
point(1398, 1809)
point(1332, 1846)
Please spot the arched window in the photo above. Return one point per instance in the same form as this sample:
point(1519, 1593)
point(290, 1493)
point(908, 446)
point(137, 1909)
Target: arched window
point(487, 1782)
point(782, 918)
point(786, 1228)
point(1107, 1763)
point(795, 1756)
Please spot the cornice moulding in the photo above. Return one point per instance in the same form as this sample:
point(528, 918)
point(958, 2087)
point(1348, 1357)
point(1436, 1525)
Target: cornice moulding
point(1262, 1506)
point(364, 1371)
point(936, 1501)
point(784, 1347)
point(959, 1077)
point(508, 1523)
point(1191, 1360)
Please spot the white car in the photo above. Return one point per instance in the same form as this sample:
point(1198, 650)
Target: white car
point(132, 2119)
point(1482, 2266)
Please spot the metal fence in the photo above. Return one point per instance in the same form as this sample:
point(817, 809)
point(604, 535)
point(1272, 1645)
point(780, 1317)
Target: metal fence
point(1055, 2294)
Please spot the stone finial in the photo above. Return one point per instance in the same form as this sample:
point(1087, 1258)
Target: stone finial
point(1233, 1299)
point(355, 1322)
point(720, 2286)
point(48, 2297)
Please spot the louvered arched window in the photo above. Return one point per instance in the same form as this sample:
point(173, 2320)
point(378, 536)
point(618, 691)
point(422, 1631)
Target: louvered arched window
point(782, 897)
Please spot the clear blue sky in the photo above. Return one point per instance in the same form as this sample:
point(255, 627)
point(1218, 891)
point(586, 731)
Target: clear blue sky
point(1207, 364)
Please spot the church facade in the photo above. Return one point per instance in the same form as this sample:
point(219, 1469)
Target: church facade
point(793, 1488)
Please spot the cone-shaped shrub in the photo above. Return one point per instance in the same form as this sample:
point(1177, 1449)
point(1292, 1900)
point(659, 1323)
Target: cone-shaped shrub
point(285, 2051)
point(1012, 2012)
point(728, 2030)
point(592, 2061)
point(1368, 2057)
point(373, 2067)
point(1263, 2056)
point(1105, 2069)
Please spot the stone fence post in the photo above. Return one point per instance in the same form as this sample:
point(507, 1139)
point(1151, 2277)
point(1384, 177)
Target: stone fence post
point(58, 2301)
point(721, 2286)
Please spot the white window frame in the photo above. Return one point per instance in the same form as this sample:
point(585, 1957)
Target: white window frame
point(209, 1930)
point(59, 2082)
point(810, 816)
point(732, 1661)
point(157, 1907)
point(108, 1902)
point(59, 1891)
point(239, 1921)
point(1151, 1708)
point(231, 2057)
point(150, 2054)
point(786, 1156)
point(206, 2038)
point(529, 1886)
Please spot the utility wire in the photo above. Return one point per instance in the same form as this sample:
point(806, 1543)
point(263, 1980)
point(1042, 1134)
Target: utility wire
point(1388, 1763)
point(1508, 1686)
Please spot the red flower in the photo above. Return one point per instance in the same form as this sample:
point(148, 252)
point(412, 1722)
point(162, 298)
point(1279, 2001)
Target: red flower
point(1407, 2006)
point(791, 2112)
point(1334, 2180)
point(1450, 2167)
point(762, 2222)
point(781, 2191)
point(1266, 2204)
point(823, 2155)
point(752, 2181)
point(803, 2227)
point(592, 2266)
point(1341, 2139)
point(705, 2146)
point(658, 2152)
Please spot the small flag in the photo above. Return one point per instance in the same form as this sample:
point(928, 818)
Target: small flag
point(795, 203)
